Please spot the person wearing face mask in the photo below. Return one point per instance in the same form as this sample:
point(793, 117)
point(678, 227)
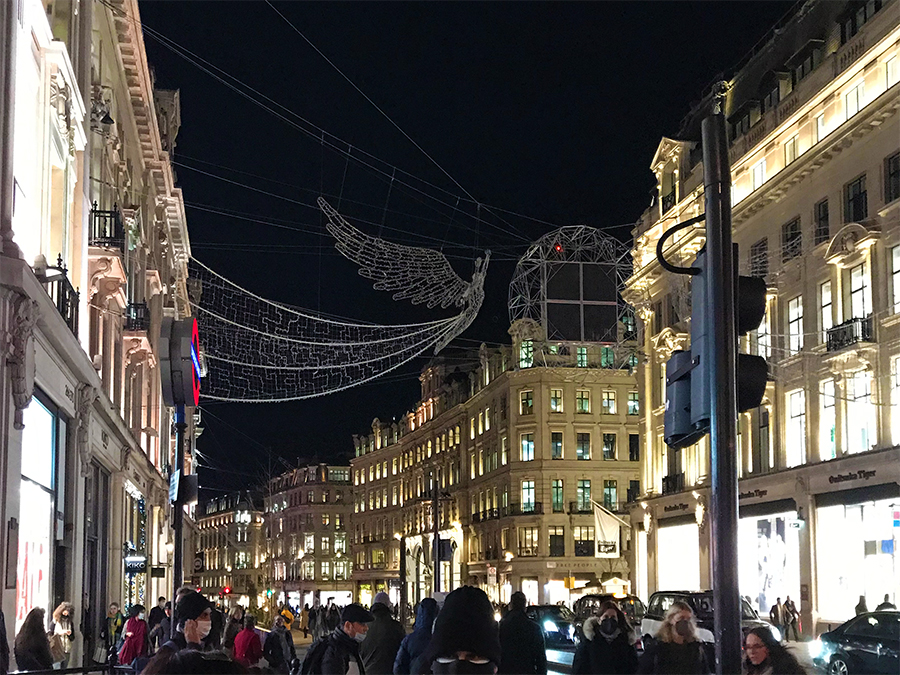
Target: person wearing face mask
point(606, 648)
point(764, 655)
point(193, 622)
point(136, 640)
point(676, 650)
point(279, 647)
point(466, 638)
point(521, 641)
point(341, 656)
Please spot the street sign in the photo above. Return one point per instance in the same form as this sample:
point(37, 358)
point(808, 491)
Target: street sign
point(174, 479)
point(179, 360)
point(492, 576)
point(199, 562)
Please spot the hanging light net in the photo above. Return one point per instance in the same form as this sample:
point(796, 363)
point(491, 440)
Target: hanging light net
point(257, 350)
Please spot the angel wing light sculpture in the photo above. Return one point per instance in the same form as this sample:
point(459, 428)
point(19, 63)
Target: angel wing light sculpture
point(264, 351)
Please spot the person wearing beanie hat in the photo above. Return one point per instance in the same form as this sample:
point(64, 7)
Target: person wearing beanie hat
point(342, 657)
point(466, 638)
point(383, 638)
point(193, 622)
point(521, 641)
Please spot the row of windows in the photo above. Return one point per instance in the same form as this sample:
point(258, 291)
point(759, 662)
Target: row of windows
point(608, 404)
point(609, 443)
point(528, 543)
point(305, 570)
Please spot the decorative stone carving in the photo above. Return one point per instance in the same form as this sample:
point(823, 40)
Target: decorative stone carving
point(84, 403)
point(18, 349)
point(669, 341)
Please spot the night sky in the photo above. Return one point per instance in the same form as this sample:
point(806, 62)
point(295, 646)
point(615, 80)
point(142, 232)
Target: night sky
point(545, 114)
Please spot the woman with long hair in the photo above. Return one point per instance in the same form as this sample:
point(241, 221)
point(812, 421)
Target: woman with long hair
point(232, 628)
point(764, 655)
point(32, 648)
point(136, 636)
point(676, 649)
point(606, 648)
point(61, 633)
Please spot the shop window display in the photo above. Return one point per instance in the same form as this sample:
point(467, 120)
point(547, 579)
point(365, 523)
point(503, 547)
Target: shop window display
point(769, 558)
point(863, 534)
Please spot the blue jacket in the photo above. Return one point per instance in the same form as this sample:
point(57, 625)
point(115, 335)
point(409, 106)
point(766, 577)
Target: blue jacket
point(409, 658)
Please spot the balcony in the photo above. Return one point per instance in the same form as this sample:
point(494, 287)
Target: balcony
point(137, 317)
point(106, 230)
point(580, 507)
point(61, 291)
point(668, 201)
point(672, 484)
point(526, 509)
point(850, 333)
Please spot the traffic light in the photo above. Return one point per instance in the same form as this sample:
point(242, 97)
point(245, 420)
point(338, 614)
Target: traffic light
point(227, 590)
point(687, 414)
point(269, 592)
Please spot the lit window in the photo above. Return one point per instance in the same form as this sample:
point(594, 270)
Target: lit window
point(487, 419)
point(826, 309)
point(583, 446)
point(790, 150)
point(582, 401)
point(609, 446)
point(634, 406)
point(556, 492)
point(892, 71)
point(556, 400)
point(480, 422)
point(526, 354)
point(527, 447)
point(556, 445)
point(795, 325)
point(584, 541)
point(827, 419)
point(504, 452)
point(583, 495)
point(795, 428)
point(609, 403)
point(527, 495)
point(759, 174)
point(895, 399)
point(528, 541)
point(854, 100)
point(821, 131)
point(526, 403)
point(895, 277)
point(860, 413)
point(608, 356)
point(581, 357)
point(610, 495)
point(860, 293)
point(472, 428)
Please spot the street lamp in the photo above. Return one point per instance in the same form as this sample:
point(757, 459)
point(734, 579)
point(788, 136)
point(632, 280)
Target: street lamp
point(402, 575)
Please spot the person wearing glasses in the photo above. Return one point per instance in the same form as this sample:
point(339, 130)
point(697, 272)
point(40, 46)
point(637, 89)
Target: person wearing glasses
point(764, 655)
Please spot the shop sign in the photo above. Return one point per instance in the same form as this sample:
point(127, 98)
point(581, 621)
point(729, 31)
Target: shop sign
point(862, 474)
point(492, 576)
point(135, 564)
point(157, 572)
point(675, 508)
point(753, 494)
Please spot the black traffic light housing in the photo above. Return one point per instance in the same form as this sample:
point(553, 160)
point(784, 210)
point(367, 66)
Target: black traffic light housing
point(688, 390)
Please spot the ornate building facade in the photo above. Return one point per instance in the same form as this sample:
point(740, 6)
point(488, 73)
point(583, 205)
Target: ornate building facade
point(516, 442)
point(307, 520)
point(813, 130)
point(94, 255)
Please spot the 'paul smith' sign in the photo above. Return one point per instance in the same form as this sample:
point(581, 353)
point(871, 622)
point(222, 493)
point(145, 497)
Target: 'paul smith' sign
point(753, 494)
point(862, 474)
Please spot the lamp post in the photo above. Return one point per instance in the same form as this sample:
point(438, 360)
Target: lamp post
point(403, 598)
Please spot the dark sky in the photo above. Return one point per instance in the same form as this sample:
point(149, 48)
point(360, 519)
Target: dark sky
point(550, 110)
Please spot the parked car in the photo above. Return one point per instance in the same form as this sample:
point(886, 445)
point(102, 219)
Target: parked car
point(868, 643)
point(702, 604)
point(556, 622)
point(588, 605)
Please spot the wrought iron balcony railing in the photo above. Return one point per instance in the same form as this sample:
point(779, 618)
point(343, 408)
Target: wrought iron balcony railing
point(668, 201)
point(580, 507)
point(61, 291)
point(107, 229)
point(673, 483)
point(850, 333)
point(137, 317)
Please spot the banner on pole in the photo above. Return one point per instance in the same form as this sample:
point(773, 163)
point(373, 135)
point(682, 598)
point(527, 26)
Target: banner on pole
point(606, 533)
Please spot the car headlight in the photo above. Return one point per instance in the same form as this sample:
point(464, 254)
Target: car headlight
point(775, 633)
point(571, 632)
point(549, 626)
point(816, 648)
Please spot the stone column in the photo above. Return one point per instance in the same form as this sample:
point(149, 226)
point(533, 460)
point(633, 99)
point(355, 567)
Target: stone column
point(9, 27)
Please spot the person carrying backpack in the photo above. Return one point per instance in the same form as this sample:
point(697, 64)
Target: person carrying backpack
point(338, 652)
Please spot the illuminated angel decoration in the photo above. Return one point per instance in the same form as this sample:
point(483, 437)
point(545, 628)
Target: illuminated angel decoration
point(264, 351)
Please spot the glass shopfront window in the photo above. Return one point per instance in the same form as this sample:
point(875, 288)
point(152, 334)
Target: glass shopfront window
point(42, 437)
point(677, 556)
point(769, 559)
point(855, 551)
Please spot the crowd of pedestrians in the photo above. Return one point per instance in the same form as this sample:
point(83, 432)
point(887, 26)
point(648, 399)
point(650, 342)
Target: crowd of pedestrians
point(454, 634)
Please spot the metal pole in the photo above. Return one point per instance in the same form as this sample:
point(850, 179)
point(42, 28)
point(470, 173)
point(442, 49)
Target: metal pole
point(403, 590)
point(722, 345)
point(178, 510)
point(435, 509)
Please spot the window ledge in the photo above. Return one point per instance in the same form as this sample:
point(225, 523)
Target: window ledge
point(891, 320)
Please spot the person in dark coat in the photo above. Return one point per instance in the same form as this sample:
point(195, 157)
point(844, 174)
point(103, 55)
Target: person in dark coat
point(344, 641)
point(193, 617)
point(160, 634)
point(157, 614)
point(764, 655)
point(279, 647)
point(409, 658)
point(606, 648)
point(521, 641)
point(32, 647)
point(676, 650)
point(466, 638)
point(379, 649)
